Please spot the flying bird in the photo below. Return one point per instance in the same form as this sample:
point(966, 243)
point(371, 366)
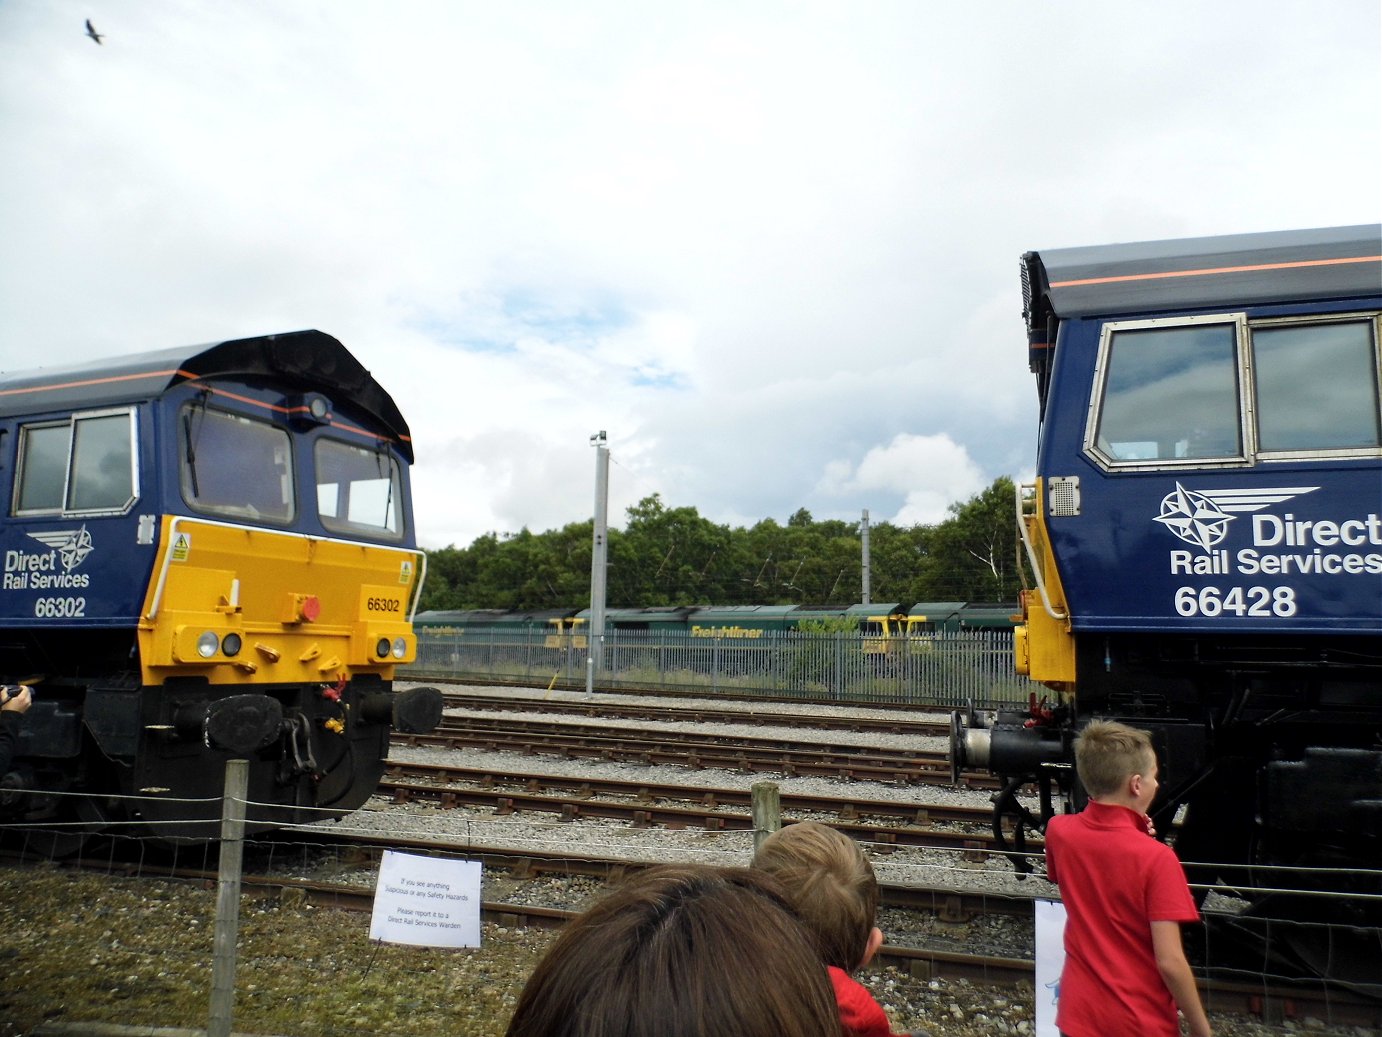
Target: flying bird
point(91, 31)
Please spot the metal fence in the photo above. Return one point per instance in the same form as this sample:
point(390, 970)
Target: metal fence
point(945, 669)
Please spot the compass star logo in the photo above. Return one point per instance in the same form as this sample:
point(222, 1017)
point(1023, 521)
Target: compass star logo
point(1194, 517)
point(72, 545)
point(1201, 517)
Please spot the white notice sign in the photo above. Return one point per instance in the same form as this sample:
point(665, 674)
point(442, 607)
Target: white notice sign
point(1050, 960)
point(426, 901)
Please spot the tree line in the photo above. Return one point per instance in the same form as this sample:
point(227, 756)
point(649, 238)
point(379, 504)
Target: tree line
point(674, 556)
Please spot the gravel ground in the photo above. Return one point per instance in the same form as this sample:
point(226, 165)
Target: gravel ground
point(78, 948)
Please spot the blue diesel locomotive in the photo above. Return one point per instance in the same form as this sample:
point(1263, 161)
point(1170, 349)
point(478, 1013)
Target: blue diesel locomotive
point(208, 552)
point(1206, 530)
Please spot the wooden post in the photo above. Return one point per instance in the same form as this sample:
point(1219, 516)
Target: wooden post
point(767, 811)
point(228, 898)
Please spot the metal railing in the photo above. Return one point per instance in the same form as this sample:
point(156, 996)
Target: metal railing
point(947, 669)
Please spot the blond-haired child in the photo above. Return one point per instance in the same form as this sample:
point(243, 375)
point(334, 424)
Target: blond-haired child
point(831, 884)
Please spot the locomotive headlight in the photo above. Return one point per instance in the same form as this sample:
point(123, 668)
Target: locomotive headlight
point(230, 644)
point(400, 647)
point(208, 644)
point(382, 648)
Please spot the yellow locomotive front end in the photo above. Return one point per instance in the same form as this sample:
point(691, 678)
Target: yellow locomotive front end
point(249, 606)
point(279, 648)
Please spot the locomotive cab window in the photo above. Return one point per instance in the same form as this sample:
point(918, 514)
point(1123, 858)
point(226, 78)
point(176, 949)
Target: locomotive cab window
point(1173, 394)
point(235, 466)
point(83, 465)
point(358, 490)
point(1317, 387)
point(1168, 395)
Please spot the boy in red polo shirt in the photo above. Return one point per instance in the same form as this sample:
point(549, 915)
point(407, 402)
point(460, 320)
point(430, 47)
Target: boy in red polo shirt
point(831, 884)
point(1125, 897)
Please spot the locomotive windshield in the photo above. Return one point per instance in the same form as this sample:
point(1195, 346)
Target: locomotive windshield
point(235, 466)
point(358, 490)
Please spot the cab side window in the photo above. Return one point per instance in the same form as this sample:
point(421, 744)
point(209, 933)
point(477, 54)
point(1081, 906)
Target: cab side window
point(1316, 387)
point(82, 465)
point(1230, 390)
point(1170, 394)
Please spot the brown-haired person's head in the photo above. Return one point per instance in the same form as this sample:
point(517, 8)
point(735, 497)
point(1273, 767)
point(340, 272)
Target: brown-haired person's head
point(681, 952)
point(832, 886)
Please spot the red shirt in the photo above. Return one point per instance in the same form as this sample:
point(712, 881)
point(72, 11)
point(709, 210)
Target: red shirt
point(1115, 881)
point(860, 1014)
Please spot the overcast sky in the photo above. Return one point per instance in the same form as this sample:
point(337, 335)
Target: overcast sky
point(770, 247)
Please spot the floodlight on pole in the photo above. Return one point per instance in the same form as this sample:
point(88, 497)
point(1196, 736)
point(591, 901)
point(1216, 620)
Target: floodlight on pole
point(866, 591)
point(598, 562)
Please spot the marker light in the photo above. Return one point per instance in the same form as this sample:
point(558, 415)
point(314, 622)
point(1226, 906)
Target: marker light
point(207, 644)
point(400, 647)
point(308, 409)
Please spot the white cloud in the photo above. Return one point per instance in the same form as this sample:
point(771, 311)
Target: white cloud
point(928, 472)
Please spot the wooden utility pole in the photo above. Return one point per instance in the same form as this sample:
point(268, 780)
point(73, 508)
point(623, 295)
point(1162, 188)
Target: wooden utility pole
point(228, 898)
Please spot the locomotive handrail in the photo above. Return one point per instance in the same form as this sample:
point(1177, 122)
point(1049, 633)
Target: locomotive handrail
point(417, 584)
point(1031, 554)
point(179, 519)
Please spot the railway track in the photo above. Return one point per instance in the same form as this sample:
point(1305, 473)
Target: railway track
point(753, 714)
point(846, 808)
point(639, 803)
point(697, 750)
point(362, 849)
point(634, 692)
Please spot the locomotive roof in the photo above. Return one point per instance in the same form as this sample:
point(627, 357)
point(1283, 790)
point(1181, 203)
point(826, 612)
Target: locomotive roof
point(297, 360)
point(1192, 273)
